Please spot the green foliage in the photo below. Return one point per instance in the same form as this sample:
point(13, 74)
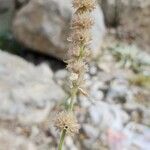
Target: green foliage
point(140, 80)
point(129, 56)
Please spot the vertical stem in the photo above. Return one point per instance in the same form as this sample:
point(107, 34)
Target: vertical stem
point(62, 139)
point(74, 90)
point(73, 97)
point(63, 134)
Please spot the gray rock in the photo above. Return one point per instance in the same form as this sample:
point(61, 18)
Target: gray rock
point(60, 76)
point(101, 114)
point(69, 144)
point(111, 9)
point(93, 70)
point(114, 10)
point(137, 135)
point(146, 117)
point(119, 91)
point(10, 141)
point(84, 101)
point(90, 131)
point(43, 25)
point(96, 92)
point(27, 92)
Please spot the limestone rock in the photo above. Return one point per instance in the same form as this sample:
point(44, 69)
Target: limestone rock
point(27, 92)
point(43, 25)
point(131, 17)
point(114, 10)
point(10, 141)
point(115, 115)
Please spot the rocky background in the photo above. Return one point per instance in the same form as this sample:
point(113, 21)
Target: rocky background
point(33, 78)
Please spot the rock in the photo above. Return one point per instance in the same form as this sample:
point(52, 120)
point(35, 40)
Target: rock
point(84, 101)
point(132, 137)
point(90, 131)
point(137, 135)
point(121, 13)
point(60, 76)
point(115, 9)
point(10, 141)
point(92, 70)
point(69, 144)
point(111, 9)
point(6, 13)
point(43, 25)
point(92, 135)
point(146, 117)
point(115, 115)
point(119, 91)
point(26, 91)
point(95, 91)
point(106, 62)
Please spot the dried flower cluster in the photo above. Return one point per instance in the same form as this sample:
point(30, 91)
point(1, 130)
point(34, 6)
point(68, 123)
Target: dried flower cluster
point(67, 121)
point(78, 54)
point(80, 38)
point(84, 6)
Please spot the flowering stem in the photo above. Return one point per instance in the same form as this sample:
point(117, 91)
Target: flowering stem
point(73, 97)
point(74, 90)
point(80, 39)
point(81, 52)
point(62, 137)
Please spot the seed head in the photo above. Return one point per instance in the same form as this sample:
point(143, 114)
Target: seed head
point(76, 66)
point(84, 5)
point(74, 77)
point(83, 21)
point(80, 37)
point(67, 121)
point(74, 51)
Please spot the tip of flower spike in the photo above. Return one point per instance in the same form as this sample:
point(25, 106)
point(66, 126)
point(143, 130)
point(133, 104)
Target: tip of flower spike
point(82, 6)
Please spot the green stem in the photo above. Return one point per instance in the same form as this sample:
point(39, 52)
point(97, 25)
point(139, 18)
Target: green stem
point(81, 52)
point(75, 88)
point(74, 91)
point(62, 139)
point(73, 97)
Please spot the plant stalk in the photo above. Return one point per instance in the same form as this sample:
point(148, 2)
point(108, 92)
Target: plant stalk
point(62, 137)
point(74, 92)
point(73, 97)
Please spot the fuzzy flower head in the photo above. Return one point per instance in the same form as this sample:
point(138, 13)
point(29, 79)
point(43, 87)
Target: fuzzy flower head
point(80, 37)
point(67, 121)
point(84, 5)
point(74, 51)
point(76, 66)
point(82, 21)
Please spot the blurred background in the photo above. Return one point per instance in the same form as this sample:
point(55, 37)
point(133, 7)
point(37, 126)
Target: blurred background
point(33, 78)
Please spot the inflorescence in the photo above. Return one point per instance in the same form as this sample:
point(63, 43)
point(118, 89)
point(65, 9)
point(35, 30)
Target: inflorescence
point(78, 54)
